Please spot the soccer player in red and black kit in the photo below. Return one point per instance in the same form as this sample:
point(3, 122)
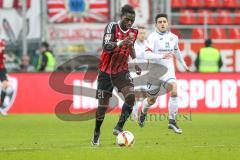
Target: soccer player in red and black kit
point(6, 88)
point(118, 44)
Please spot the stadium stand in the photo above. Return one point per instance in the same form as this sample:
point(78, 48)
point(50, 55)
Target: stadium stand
point(237, 17)
point(177, 4)
point(218, 33)
point(187, 17)
point(219, 17)
point(234, 33)
point(197, 33)
point(212, 4)
point(210, 18)
point(230, 3)
point(224, 17)
point(194, 4)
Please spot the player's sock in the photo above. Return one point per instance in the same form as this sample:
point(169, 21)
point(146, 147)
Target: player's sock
point(173, 107)
point(126, 111)
point(146, 106)
point(100, 114)
point(135, 111)
point(144, 111)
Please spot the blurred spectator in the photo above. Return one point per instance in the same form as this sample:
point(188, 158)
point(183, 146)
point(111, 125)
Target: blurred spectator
point(208, 59)
point(25, 65)
point(46, 61)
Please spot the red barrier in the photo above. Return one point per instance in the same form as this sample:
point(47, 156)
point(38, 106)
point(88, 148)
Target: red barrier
point(218, 92)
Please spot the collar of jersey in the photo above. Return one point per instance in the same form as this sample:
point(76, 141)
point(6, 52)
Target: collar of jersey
point(121, 28)
point(161, 33)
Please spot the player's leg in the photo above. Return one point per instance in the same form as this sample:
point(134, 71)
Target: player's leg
point(104, 92)
point(128, 93)
point(100, 115)
point(138, 96)
point(173, 106)
point(147, 103)
point(153, 90)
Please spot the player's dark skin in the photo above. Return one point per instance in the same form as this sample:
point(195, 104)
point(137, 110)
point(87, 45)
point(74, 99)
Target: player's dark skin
point(126, 23)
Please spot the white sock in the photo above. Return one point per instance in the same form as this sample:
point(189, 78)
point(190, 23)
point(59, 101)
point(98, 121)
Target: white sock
point(135, 108)
point(146, 106)
point(172, 107)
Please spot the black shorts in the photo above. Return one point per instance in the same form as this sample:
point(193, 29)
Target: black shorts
point(3, 74)
point(107, 82)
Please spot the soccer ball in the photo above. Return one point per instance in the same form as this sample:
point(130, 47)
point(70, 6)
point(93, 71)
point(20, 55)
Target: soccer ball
point(125, 139)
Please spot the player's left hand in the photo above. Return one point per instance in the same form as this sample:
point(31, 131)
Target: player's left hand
point(138, 70)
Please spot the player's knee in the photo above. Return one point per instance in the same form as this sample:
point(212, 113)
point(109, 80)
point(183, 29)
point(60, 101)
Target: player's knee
point(174, 94)
point(151, 100)
point(103, 101)
point(172, 87)
point(130, 99)
point(101, 111)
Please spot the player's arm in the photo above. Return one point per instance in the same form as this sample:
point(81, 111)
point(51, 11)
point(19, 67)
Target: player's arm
point(179, 56)
point(149, 50)
point(109, 43)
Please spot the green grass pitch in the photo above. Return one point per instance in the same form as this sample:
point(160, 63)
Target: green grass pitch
point(35, 137)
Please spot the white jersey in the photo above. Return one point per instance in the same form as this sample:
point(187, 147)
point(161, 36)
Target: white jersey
point(140, 48)
point(163, 43)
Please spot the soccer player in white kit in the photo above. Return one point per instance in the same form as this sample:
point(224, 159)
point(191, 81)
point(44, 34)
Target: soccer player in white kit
point(140, 47)
point(162, 45)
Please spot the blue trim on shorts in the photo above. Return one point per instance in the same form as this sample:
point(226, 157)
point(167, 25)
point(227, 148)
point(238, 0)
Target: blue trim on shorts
point(167, 81)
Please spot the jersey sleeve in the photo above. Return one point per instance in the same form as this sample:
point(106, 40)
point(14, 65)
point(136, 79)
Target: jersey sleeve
point(109, 43)
point(176, 44)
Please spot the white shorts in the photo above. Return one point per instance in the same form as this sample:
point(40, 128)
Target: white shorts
point(155, 89)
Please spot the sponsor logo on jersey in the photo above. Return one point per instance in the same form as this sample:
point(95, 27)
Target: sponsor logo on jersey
point(167, 45)
point(107, 37)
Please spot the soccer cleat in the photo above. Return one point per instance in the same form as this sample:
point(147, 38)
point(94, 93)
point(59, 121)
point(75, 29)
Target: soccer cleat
point(142, 119)
point(117, 130)
point(96, 139)
point(173, 125)
point(3, 111)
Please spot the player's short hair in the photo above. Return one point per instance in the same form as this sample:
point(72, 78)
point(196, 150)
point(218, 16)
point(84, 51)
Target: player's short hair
point(160, 15)
point(127, 9)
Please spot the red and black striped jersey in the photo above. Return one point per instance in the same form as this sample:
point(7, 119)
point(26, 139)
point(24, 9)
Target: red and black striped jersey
point(116, 60)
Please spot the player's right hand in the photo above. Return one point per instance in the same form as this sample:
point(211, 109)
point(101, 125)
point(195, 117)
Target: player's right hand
point(128, 40)
point(168, 56)
point(138, 70)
